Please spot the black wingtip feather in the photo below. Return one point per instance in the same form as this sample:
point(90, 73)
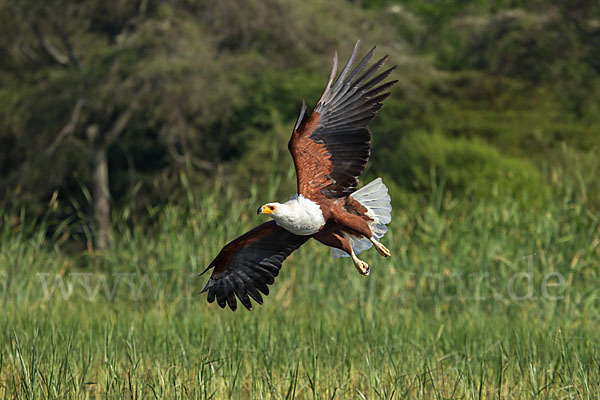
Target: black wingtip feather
point(221, 301)
point(231, 301)
point(255, 294)
point(211, 294)
point(262, 286)
point(244, 299)
point(372, 69)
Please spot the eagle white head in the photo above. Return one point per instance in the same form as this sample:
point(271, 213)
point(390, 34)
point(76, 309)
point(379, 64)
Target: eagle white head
point(298, 215)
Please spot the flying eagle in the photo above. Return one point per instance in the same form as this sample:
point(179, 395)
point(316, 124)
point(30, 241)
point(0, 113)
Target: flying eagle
point(330, 148)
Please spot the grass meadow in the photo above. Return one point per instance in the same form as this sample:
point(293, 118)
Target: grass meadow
point(485, 299)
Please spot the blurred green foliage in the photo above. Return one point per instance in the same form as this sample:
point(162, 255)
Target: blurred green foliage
point(463, 165)
point(490, 92)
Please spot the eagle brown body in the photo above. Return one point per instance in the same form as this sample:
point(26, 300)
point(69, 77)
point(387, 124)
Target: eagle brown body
point(330, 148)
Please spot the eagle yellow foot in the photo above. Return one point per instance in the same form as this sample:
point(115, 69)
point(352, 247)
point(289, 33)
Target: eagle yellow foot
point(381, 249)
point(362, 267)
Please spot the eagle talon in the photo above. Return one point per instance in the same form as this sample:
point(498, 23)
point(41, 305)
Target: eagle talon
point(362, 267)
point(381, 249)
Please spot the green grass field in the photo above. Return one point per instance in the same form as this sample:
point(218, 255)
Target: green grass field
point(481, 299)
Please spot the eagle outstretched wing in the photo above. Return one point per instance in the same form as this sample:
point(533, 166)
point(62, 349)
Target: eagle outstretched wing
point(249, 263)
point(331, 146)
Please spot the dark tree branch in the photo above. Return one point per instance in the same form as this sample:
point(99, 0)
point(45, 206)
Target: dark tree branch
point(49, 48)
point(187, 158)
point(131, 171)
point(67, 43)
point(121, 123)
point(29, 53)
point(67, 129)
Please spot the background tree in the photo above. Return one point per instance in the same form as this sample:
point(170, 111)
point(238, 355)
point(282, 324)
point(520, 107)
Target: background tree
point(118, 99)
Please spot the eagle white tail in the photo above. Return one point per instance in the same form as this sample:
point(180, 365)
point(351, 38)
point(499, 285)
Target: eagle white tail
point(376, 199)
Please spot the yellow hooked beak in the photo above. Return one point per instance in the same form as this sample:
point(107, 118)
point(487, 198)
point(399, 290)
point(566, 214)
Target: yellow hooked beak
point(265, 210)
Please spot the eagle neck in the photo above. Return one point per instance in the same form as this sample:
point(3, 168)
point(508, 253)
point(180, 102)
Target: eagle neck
point(300, 216)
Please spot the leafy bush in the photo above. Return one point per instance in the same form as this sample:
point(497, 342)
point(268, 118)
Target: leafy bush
point(430, 160)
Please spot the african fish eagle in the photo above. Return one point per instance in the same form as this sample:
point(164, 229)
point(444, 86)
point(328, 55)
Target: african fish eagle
point(330, 148)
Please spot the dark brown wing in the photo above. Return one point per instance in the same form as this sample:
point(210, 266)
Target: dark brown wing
point(331, 147)
point(250, 263)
